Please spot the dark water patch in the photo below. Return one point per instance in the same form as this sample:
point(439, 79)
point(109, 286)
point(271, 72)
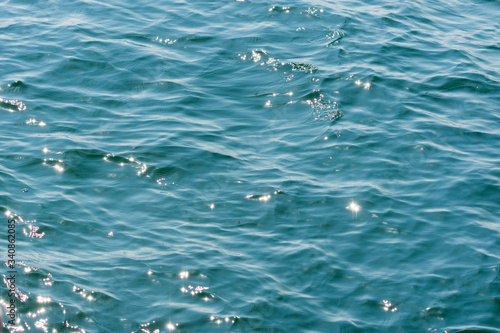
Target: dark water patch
point(17, 87)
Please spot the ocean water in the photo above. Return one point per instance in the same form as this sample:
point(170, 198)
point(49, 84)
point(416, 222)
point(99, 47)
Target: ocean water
point(251, 166)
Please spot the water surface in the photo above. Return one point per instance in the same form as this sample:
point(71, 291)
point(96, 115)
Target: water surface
point(245, 166)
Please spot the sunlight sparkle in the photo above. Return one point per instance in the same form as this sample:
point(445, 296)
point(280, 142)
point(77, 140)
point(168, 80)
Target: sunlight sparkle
point(354, 207)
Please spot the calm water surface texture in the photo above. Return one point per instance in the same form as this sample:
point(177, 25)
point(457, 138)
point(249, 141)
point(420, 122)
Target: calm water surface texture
point(251, 166)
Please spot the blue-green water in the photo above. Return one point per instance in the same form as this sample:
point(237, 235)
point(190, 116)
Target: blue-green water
point(251, 166)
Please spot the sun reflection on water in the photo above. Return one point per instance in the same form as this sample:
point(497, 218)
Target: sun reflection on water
point(354, 207)
point(171, 326)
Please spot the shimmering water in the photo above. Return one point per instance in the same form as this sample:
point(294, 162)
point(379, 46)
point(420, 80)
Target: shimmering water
point(247, 166)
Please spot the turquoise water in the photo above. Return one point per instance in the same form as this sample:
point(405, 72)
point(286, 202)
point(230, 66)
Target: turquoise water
point(251, 166)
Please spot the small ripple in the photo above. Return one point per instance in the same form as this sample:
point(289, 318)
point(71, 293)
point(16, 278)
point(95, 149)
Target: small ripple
point(335, 37)
point(35, 122)
point(166, 41)
point(313, 11)
point(221, 320)
point(282, 9)
point(259, 197)
point(322, 108)
point(274, 64)
point(56, 164)
point(12, 104)
point(122, 161)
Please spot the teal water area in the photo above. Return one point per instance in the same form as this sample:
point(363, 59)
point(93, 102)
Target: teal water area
point(251, 166)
